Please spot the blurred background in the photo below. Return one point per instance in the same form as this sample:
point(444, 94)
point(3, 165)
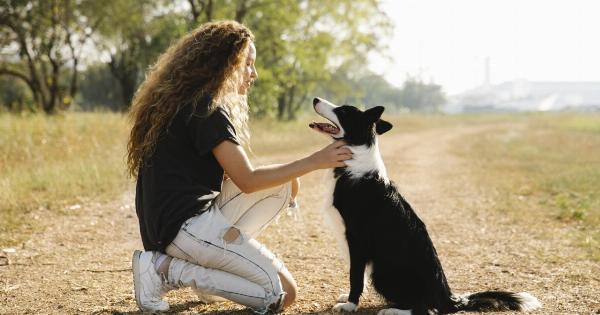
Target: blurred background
point(424, 56)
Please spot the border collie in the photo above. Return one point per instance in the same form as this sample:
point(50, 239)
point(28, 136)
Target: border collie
point(381, 232)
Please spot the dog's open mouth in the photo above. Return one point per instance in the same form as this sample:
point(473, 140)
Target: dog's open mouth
point(325, 128)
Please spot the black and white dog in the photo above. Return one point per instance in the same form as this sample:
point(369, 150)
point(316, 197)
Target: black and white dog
point(381, 232)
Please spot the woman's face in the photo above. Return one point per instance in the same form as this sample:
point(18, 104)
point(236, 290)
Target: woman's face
point(249, 72)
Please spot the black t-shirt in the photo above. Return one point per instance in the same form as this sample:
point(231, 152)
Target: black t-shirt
point(182, 177)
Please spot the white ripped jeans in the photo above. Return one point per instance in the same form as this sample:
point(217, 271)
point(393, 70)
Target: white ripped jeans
point(243, 270)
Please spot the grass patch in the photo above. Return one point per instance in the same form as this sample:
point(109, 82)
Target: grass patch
point(48, 163)
point(546, 163)
point(273, 137)
point(549, 165)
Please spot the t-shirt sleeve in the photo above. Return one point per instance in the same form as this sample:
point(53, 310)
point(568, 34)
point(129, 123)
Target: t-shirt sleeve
point(208, 132)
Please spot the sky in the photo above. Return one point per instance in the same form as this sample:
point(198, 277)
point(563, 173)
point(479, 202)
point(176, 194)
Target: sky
point(448, 41)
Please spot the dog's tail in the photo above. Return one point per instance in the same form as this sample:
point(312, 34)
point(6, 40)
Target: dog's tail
point(490, 301)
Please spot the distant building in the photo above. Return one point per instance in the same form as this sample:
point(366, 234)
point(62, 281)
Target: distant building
point(523, 95)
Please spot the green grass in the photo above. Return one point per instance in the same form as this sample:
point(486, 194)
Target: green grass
point(547, 164)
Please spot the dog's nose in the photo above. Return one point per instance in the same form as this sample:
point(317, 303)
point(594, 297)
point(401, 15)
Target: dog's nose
point(315, 101)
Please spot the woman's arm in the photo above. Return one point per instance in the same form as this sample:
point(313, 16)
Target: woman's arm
point(236, 164)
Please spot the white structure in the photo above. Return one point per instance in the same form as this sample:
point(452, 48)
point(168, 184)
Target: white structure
point(523, 95)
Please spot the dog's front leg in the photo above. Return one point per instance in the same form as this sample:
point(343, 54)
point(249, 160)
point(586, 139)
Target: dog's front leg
point(358, 262)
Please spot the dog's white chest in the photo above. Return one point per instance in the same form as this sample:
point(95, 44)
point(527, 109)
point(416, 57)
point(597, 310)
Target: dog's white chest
point(332, 217)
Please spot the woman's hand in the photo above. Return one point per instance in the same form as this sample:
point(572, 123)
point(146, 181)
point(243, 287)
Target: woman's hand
point(331, 156)
point(236, 164)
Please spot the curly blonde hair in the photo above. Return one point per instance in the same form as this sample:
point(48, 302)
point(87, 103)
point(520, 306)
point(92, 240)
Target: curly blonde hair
point(206, 62)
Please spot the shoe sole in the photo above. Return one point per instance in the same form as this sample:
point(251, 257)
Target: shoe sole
point(135, 263)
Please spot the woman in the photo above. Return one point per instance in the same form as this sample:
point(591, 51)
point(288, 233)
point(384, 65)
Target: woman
point(189, 120)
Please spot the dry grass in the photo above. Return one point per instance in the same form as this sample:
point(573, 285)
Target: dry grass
point(548, 165)
point(49, 163)
point(478, 182)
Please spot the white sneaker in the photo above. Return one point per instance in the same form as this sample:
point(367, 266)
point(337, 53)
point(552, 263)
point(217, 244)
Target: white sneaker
point(148, 285)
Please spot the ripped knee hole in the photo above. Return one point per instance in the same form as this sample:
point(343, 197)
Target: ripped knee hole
point(232, 235)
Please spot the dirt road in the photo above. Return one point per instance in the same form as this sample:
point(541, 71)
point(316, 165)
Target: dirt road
point(81, 263)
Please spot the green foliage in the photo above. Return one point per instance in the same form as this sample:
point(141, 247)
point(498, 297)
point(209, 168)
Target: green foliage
point(421, 96)
point(15, 96)
point(133, 34)
point(305, 48)
point(99, 89)
point(39, 40)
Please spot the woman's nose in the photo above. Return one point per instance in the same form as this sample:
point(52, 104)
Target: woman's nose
point(254, 73)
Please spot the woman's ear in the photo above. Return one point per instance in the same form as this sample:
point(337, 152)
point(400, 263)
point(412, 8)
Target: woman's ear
point(382, 126)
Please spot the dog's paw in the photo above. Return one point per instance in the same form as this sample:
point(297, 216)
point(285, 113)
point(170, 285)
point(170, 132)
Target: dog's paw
point(345, 307)
point(343, 298)
point(394, 311)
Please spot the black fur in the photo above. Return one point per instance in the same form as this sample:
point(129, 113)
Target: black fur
point(383, 230)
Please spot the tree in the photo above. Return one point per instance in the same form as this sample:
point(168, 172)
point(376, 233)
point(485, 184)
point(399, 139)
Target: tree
point(420, 96)
point(135, 34)
point(40, 38)
point(301, 43)
point(15, 96)
point(99, 88)
point(310, 41)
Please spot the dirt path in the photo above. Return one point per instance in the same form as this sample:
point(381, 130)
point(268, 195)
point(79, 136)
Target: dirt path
point(81, 263)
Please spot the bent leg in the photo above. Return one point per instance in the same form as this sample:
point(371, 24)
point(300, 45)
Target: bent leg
point(252, 212)
point(210, 241)
point(220, 283)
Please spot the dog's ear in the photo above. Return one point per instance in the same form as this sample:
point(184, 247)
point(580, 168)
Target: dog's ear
point(374, 113)
point(382, 126)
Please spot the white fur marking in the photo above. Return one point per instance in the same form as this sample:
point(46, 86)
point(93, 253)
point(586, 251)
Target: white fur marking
point(325, 109)
point(343, 298)
point(332, 217)
point(528, 302)
point(366, 159)
point(345, 307)
point(394, 311)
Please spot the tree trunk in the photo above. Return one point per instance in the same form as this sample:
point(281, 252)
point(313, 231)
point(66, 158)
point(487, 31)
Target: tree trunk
point(73, 87)
point(201, 7)
point(241, 10)
point(291, 113)
point(127, 83)
point(125, 71)
point(281, 106)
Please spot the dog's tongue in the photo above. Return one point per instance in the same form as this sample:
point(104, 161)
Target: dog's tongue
point(324, 127)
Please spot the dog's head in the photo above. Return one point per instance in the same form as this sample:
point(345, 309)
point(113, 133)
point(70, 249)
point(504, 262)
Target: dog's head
point(350, 123)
